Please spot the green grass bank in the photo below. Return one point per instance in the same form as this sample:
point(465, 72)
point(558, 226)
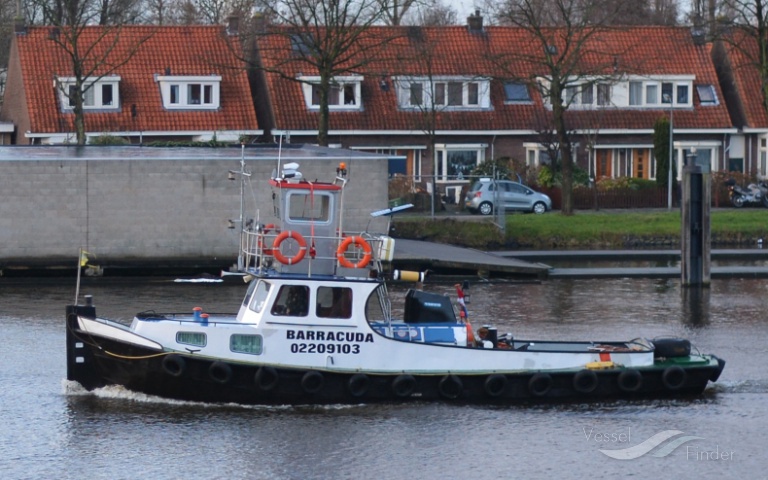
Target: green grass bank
point(610, 229)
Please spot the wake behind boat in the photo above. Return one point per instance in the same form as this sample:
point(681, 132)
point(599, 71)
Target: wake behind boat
point(316, 327)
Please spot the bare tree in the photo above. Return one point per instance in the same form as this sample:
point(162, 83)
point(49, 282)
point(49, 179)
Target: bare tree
point(394, 11)
point(434, 13)
point(561, 36)
point(747, 34)
point(330, 38)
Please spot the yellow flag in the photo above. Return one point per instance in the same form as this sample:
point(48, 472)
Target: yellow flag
point(83, 258)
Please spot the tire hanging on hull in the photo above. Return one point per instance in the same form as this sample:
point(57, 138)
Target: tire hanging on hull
point(174, 365)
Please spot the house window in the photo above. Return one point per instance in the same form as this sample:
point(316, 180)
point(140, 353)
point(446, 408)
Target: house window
point(456, 162)
point(707, 95)
point(666, 93)
point(635, 93)
point(448, 94)
point(682, 94)
point(516, 92)
point(652, 94)
point(417, 94)
point(587, 95)
point(473, 94)
point(98, 94)
point(344, 93)
point(763, 157)
point(603, 94)
point(190, 92)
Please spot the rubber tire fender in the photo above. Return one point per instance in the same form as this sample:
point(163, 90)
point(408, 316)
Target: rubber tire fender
point(403, 385)
point(450, 386)
point(359, 384)
point(674, 378)
point(220, 372)
point(540, 384)
point(266, 378)
point(495, 385)
point(312, 381)
point(630, 380)
point(174, 365)
point(585, 381)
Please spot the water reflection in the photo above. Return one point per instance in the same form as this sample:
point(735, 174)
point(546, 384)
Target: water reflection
point(695, 305)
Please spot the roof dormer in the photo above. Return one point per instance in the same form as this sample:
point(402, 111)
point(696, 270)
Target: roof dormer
point(345, 92)
point(190, 92)
point(102, 94)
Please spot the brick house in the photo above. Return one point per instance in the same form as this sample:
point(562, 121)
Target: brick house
point(180, 83)
point(483, 111)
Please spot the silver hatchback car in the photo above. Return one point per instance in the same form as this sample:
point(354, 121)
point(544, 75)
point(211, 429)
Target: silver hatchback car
point(512, 195)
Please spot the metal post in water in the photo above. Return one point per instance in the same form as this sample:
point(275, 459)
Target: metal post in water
point(695, 237)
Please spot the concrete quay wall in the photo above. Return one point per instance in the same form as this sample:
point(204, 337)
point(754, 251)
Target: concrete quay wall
point(152, 210)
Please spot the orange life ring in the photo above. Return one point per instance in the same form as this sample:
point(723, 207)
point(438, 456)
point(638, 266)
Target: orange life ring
point(294, 259)
point(264, 232)
point(360, 242)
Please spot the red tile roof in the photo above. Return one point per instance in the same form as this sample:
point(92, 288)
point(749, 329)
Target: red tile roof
point(456, 51)
point(742, 54)
point(187, 50)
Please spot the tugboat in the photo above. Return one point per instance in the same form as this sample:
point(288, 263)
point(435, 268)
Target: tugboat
point(316, 327)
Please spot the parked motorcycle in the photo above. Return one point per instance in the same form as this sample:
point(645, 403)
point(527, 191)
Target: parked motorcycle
point(754, 193)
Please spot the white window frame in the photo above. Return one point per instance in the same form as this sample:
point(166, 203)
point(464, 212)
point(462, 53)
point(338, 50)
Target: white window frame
point(92, 94)
point(183, 87)
point(436, 93)
point(441, 160)
point(533, 153)
point(712, 146)
point(341, 82)
point(620, 92)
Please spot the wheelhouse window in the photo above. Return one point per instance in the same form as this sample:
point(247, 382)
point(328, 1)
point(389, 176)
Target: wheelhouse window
point(257, 294)
point(98, 93)
point(334, 302)
point(443, 93)
point(309, 206)
point(456, 162)
point(344, 92)
point(190, 92)
point(292, 300)
point(250, 344)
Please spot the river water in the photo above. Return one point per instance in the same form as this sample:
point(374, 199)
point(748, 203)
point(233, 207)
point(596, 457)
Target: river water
point(49, 429)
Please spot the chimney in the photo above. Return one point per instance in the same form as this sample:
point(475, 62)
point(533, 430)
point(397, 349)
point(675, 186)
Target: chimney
point(19, 25)
point(475, 22)
point(698, 32)
point(233, 25)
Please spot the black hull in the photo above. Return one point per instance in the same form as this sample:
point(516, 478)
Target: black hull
point(193, 378)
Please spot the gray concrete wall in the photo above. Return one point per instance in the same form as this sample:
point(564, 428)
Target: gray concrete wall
point(132, 209)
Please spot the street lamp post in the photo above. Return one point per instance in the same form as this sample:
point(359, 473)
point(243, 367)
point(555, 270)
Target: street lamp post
point(668, 98)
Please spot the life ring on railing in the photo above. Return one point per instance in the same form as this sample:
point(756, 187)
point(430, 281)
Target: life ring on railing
point(360, 242)
point(294, 259)
point(264, 231)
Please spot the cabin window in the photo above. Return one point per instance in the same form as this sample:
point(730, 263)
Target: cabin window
point(334, 302)
point(250, 344)
point(197, 339)
point(258, 291)
point(292, 300)
point(376, 304)
point(308, 206)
